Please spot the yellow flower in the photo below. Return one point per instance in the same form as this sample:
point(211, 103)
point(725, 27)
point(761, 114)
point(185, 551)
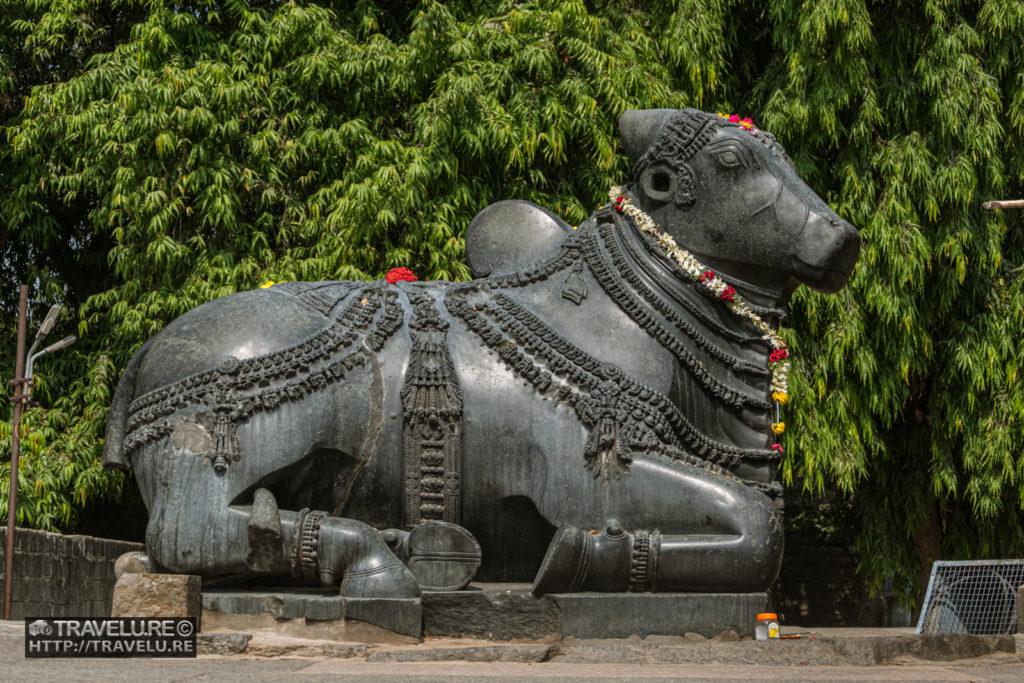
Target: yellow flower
point(780, 397)
point(268, 283)
point(779, 427)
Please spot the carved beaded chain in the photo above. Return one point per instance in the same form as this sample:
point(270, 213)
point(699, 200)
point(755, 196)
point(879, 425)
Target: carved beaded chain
point(725, 292)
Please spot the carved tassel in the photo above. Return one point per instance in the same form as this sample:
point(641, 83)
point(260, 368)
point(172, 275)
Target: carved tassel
point(575, 289)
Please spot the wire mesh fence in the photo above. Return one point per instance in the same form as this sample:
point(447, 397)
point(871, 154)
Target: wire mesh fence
point(974, 596)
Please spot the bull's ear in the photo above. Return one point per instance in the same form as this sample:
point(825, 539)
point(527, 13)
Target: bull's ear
point(640, 128)
point(661, 183)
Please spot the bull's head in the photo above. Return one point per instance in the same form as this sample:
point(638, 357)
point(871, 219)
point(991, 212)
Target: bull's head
point(731, 196)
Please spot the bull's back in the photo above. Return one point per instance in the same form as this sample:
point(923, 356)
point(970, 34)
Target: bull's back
point(274, 388)
point(242, 326)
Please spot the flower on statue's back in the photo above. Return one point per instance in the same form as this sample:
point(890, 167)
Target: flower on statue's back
point(400, 274)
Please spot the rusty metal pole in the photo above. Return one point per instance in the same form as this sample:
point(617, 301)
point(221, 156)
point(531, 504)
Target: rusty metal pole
point(12, 494)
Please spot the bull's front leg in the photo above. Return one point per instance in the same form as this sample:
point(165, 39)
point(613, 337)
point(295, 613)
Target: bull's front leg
point(666, 526)
point(612, 559)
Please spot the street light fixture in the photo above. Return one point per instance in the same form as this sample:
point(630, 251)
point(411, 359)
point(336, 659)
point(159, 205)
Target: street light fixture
point(66, 341)
point(23, 388)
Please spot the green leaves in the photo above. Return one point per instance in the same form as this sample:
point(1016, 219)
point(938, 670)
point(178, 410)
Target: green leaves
point(925, 360)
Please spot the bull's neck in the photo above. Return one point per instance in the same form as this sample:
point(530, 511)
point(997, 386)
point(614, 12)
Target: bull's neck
point(644, 254)
point(651, 289)
point(765, 290)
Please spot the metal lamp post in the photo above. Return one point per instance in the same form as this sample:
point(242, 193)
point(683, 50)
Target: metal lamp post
point(22, 391)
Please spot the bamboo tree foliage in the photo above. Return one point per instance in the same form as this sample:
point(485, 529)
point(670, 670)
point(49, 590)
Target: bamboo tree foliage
point(158, 155)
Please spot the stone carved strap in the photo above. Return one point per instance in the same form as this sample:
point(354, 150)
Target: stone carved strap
point(322, 296)
point(432, 420)
point(639, 574)
point(305, 562)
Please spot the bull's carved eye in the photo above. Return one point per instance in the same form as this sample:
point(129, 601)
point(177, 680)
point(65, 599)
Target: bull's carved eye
point(730, 158)
point(730, 154)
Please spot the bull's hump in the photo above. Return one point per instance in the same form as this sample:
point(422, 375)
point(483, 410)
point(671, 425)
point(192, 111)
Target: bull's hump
point(510, 235)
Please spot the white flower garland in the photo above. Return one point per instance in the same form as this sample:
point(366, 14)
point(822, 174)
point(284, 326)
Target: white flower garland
point(721, 289)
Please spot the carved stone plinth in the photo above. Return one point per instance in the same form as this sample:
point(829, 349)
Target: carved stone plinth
point(620, 615)
point(157, 595)
point(511, 612)
point(402, 616)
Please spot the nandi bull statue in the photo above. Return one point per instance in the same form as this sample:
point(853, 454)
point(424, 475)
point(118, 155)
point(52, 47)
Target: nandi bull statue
point(598, 410)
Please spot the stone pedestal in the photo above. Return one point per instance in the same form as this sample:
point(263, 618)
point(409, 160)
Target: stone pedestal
point(402, 616)
point(510, 612)
point(158, 595)
point(620, 615)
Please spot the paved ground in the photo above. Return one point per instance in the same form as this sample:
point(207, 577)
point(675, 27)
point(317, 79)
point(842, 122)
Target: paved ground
point(273, 657)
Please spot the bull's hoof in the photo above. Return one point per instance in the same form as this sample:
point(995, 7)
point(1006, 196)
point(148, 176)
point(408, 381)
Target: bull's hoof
point(442, 556)
point(579, 560)
point(376, 579)
point(565, 563)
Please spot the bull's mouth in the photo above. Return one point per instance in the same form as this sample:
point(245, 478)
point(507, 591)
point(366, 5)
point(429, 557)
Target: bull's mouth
point(824, 280)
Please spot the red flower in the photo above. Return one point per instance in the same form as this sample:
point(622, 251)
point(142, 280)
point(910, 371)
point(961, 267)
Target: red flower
point(400, 275)
point(728, 294)
point(735, 118)
point(707, 275)
point(777, 355)
point(618, 203)
point(777, 447)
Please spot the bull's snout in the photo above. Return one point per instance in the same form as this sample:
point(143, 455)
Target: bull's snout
point(826, 253)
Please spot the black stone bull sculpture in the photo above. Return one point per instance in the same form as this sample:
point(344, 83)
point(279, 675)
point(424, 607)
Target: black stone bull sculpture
point(587, 413)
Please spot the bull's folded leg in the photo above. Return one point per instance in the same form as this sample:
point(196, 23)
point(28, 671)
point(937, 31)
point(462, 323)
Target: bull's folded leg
point(614, 560)
point(260, 540)
point(309, 547)
point(313, 546)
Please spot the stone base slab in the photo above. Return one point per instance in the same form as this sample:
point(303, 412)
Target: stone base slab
point(402, 616)
point(621, 615)
point(510, 612)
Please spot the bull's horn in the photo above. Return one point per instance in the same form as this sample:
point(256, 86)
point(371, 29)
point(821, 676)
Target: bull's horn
point(640, 129)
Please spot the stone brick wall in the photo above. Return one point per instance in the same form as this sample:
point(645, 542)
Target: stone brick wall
point(61, 576)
